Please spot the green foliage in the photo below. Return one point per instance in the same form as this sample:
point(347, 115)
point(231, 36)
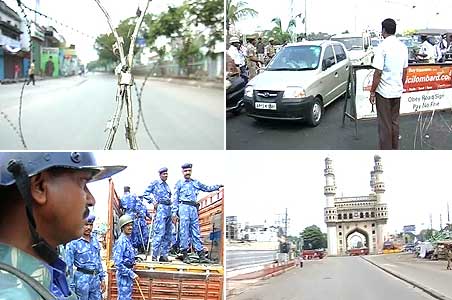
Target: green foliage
point(313, 238)
point(189, 52)
point(180, 24)
point(426, 234)
point(236, 11)
point(209, 13)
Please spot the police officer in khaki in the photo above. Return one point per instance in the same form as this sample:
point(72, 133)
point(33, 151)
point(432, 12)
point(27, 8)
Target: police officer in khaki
point(270, 50)
point(253, 62)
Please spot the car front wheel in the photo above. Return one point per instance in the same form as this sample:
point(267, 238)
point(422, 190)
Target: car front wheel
point(315, 113)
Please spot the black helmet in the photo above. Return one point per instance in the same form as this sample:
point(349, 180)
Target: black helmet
point(17, 168)
point(37, 162)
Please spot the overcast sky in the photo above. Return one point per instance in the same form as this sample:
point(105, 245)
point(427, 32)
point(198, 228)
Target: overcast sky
point(86, 16)
point(142, 169)
point(337, 16)
point(261, 184)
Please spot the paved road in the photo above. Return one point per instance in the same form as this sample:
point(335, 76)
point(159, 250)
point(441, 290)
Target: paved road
point(430, 274)
point(243, 132)
point(335, 278)
point(72, 113)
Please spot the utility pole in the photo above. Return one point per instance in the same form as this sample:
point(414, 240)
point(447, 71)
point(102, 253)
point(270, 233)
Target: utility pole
point(448, 217)
point(305, 20)
point(285, 224)
point(431, 222)
point(440, 222)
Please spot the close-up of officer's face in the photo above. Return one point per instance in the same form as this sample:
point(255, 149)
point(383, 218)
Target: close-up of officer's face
point(187, 173)
point(164, 176)
point(128, 228)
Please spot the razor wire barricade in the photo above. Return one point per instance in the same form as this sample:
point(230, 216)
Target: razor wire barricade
point(124, 81)
point(427, 93)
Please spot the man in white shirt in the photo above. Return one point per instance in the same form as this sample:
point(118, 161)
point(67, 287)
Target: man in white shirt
point(390, 63)
point(233, 51)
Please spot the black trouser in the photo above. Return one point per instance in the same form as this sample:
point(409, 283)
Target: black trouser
point(388, 116)
point(32, 77)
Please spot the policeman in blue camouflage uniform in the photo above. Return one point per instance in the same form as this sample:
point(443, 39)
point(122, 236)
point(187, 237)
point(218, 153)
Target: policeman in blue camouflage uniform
point(128, 201)
point(161, 193)
point(185, 205)
point(132, 206)
point(124, 258)
point(36, 190)
point(140, 231)
point(84, 254)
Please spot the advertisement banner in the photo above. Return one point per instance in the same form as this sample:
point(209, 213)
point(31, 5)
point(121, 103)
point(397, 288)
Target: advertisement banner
point(50, 61)
point(409, 228)
point(427, 87)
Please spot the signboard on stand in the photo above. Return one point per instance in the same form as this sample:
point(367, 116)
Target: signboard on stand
point(427, 88)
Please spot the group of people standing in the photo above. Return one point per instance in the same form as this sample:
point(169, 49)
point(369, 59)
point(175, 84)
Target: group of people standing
point(172, 209)
point(246, 60)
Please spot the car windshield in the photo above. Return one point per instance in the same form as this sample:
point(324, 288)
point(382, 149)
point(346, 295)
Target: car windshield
point(296, 58)
point(355, 43)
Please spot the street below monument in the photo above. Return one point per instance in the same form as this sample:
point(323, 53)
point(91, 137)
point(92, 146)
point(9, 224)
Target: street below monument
point(350, 278)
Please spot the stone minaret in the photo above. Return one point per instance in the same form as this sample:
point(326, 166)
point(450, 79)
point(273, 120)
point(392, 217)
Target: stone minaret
point(330, 193)
point(379, 189)
point(372, 181)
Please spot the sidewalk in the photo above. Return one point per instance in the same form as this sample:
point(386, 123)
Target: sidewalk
point(241, 280)
point(37, 78)
point(188, 82)
point(429, 276)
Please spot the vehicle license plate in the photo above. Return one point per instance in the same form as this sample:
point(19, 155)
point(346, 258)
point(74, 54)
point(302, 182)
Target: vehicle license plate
point(262, 105)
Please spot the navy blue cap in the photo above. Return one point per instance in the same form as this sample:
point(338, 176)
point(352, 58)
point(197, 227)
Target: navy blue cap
point(163, 170)
point(90, 219)
point(186, 166)
point(37, 162)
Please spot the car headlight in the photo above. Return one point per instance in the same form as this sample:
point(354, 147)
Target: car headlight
point(249, 91)
point(294, 92)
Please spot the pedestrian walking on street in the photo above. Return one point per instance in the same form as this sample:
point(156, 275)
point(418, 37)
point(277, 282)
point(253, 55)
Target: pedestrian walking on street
point(124, 259)
point(88, 280)
point(31, 73)
point(45, 200)
point(185, 205)
point(161, 193)
point(16, 71)
point(390, 63)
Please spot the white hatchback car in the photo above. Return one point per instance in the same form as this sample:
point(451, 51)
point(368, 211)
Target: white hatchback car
point(299, 82)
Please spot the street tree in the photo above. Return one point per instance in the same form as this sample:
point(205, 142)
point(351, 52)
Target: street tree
point(236, 11)
point(209, 13)
point(281, 36)
point(313, 238)
point(426, 234)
